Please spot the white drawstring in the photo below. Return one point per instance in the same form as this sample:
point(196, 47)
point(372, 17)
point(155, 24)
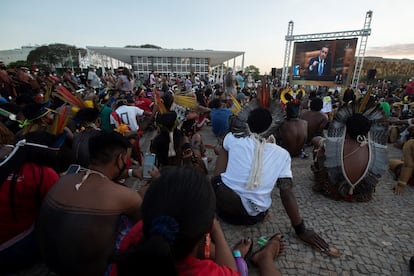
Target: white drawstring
point(255, 177)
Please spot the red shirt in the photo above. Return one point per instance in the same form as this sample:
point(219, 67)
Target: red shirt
point(190, 266)
point(409, 87)
point(144, 103)
point(33, 183)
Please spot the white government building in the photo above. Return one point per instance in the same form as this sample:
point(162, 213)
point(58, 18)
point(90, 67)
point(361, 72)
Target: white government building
point(167, 61)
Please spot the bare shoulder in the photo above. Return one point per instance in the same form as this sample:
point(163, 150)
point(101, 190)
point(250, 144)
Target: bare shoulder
point(124, 193)
point(126, 199)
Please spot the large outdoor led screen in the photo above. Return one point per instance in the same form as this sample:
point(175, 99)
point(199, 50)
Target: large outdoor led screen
point(323, 62)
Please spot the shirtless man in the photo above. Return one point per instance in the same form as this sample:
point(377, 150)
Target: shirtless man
point(404, 169)
point(317, 120)
point(293, 132)
point(83, 216)
point(349, 162)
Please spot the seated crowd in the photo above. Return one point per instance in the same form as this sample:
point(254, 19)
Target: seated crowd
point(65, 156)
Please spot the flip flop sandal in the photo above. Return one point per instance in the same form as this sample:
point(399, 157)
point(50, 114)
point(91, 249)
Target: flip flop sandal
point(262, 241)
point(249, 252)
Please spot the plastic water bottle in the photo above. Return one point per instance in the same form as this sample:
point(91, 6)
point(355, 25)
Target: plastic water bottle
point(240, 263)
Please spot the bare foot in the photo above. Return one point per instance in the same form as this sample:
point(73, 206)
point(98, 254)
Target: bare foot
point(244, 246)
point(273, 248)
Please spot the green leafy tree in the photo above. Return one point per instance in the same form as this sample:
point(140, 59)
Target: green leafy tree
point(144, 46)
point(254, 71)
point(18, 63)
point(55, 56)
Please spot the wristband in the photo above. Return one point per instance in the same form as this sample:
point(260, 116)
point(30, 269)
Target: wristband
point(130, 171)
point(236, 253)
point(300, 228)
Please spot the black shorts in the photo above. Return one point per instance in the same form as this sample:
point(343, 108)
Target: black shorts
point(229, 205)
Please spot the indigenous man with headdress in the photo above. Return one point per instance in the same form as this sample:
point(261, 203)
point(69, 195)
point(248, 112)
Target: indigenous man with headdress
point(350, 161)
point(250, 164)
point(37, 117)
point(173, 145)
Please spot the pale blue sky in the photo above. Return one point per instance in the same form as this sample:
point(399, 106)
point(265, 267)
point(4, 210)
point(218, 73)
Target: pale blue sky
point(255, 27)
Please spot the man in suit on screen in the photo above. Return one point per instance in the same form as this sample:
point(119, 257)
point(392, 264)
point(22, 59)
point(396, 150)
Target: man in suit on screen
point(320, 65)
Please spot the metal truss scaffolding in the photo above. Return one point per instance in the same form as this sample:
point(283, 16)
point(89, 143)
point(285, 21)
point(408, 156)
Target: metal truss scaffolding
point(288, 48)
point(361, 52)
point(364, 33)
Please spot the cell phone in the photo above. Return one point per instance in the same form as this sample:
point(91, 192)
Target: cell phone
point(149, 163)
point(74, 168)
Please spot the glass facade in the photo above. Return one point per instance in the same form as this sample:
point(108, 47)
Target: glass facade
point(171, 65)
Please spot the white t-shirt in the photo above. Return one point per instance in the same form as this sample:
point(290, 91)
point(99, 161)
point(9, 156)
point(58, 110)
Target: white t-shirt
point(128, 115)
point(152, 79)
point(95, 82)
point(276, 164)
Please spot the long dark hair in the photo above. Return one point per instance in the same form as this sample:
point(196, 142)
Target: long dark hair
point(160, 144)
point(178, 209)
point(127, 73)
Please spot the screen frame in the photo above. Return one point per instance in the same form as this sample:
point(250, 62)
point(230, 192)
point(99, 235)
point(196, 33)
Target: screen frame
point(342, 61)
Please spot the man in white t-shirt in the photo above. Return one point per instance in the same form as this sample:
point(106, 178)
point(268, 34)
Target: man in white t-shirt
point(247, 169)
point(152, 80)
point(128, 114)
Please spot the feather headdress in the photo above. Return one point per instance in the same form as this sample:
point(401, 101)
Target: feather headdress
point(238, 124)
point(367, 108)
point(376, 141)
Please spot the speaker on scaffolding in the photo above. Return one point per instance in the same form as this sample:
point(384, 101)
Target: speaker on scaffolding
point(273, 72)
point(371, 74)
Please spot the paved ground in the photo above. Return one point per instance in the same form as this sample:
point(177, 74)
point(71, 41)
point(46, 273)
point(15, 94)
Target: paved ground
point(375, 238)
